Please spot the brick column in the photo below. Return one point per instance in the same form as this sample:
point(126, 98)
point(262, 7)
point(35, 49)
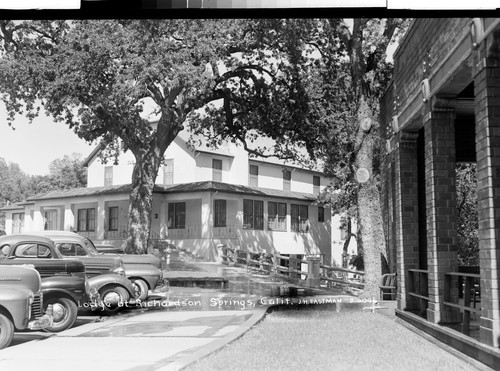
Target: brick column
point(487, 110)
point(406, 214)
point(441, 206)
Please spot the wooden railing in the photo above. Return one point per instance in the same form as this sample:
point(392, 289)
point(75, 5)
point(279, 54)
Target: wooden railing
point(469, 288)
point(275, 264)
point(335, 276)
point(418, 287)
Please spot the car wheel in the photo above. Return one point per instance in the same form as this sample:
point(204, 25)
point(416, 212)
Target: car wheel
point(6, 331)
point(114, 299)
point(141, 289)
point(64, 313)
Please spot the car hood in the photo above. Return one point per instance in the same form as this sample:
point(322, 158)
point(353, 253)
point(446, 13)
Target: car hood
point(137, 259)
point(20, 277)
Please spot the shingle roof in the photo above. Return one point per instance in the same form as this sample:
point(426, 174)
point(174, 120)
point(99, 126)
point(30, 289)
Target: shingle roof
point(178, 188)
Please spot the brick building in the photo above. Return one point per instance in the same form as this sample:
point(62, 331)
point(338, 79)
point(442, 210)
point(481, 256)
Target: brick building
point(443, 107)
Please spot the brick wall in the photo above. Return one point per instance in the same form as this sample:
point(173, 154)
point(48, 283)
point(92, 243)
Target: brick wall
point(426, 44)
point(487, 110)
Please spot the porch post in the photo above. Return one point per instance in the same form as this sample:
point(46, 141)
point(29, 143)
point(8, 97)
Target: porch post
point(487, 113)
point(406, 210)
point(101, 219)
point(441, 206)
point(69, 217)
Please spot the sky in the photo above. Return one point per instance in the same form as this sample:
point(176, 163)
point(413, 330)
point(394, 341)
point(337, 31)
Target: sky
point(34, 146)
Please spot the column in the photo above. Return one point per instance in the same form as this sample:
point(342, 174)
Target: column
point(487, 111)
point(69, 217)
point(101, 218)
point(406, 214)
point(441, 206)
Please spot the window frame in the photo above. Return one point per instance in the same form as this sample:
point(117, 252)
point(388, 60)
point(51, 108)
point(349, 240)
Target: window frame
point(299, 218)
point(217, 170)
point(287, 180)
point(176, 215)
point(89, 221)
point(253, 216)
point(113, 220)
point(273, 216)
point(108, 176)
point(220, 213)
point(253, 176)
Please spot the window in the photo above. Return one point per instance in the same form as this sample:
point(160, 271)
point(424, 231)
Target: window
point(17, 223)
point(50, 219)
point(71, 249)
point(32, 250)
point(113, 218)
point(287, 179)
point(316, 184)
point(177, 215)
point(86, 220)
point(299, 216)
point(108, 176)
point(253, 176)
point(216, 170)
point(168, 171)
point(219, 213)
point(276, 219)
point(321, 214)
point(253, 214)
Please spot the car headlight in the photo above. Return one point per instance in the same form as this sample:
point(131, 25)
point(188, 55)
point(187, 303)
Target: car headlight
point(120, 270)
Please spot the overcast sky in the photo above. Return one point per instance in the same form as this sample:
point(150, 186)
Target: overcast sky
point(34, 146)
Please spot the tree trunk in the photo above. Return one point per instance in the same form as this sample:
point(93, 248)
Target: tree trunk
point(370, 213)
point(141, 201)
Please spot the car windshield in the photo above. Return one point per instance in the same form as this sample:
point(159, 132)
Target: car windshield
point(90, 246)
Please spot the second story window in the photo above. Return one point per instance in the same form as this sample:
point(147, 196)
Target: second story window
point(216, 170)
point(108, 176)
point(316, 184)
point(168, 171)
point(253, 176)
point(287, 180)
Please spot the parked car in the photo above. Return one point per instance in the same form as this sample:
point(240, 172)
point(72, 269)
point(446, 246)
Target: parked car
point(64, 282)
point(21, 302)
point(143, 276)
point(102, 268)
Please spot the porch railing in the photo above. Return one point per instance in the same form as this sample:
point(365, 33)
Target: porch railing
point(342, 276)
point(418, 287)
point(468, 286)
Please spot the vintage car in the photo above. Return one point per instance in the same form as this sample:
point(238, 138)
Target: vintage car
point(144, 276)
point(21, 302)
point(64, 282)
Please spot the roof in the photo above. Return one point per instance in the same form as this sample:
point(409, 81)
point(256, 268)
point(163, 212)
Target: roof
point(17, 206)
point(205, 186)
point(233, 188)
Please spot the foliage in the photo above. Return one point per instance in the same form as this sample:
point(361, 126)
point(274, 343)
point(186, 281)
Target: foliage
point(467, 223)
point(16, 186)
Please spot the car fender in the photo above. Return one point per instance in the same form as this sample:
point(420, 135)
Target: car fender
point(72, 287)
point(146, 272)
point(14, 302)
point(102, 280)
